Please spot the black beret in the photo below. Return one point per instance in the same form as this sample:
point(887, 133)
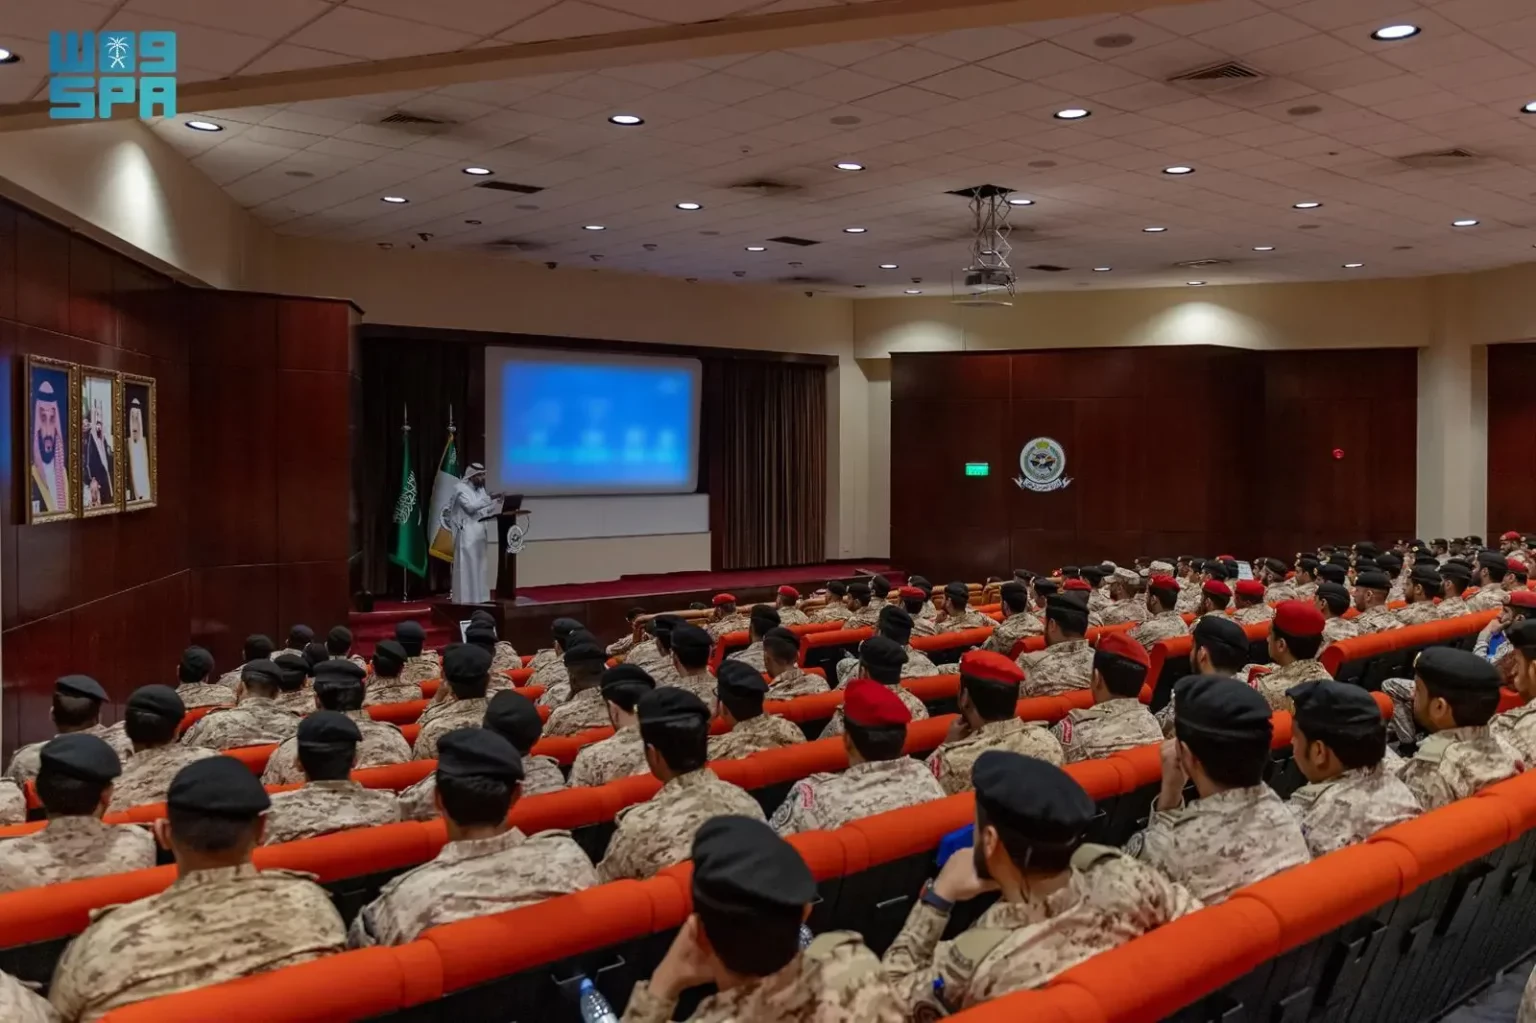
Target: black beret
point(511, 713)
point(690, 638)
point(1373, 580)
point(315, 653)
point(562, 627)
point(478, 753)
point(1522, 633)
point(1333, 593)
point(958, 592)
point(740, 861)
point(1274, 565)
point(764, 618)
point(1425, 575)
point(1333, 573)
point(1493, 559)
point(80, 685)
point(1308, 564)
point(1364, 564)
point(481, 616)
point(328, 730)
point(782, 634)
point(882, 658)
point(920, 581)
point(666, 623)
point(218, 786)
point(481, 634)
point(410, 630)
point(624, 675)
point(300, 636)
point(1093, 573)
point(1013, 591)
point(584, 653)
point(389, 658)
point(160, 701)
point(671, 704)
point(1221, 707)
point(262, 670)
point(1456, 570)
point(1070, 571)
point(1045, 587)
point(1443, 667)
point(1335, 708)
point(1390, 563)
point(292, 670)
point(740, 678)
point(895, 623)
point(1215, 569)
point(196, 662)
point(339, 635)
point(1068, 609)
point(1219, 629)
point(1033, 798)
point(81, 755)
point(257, 646)
point(859, 590)
point(465, 663)
point(339, 672)
point(1366, 548)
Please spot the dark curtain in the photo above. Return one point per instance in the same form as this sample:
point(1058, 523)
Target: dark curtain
point(769, 473)
point(425, 377)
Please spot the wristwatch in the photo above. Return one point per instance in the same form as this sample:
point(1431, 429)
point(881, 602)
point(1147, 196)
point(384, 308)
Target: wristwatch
point(932, 898)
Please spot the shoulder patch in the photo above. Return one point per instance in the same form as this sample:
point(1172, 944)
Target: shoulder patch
point(1088, 855)
point(1432, 750)
point(823, 945)
point(974, 945)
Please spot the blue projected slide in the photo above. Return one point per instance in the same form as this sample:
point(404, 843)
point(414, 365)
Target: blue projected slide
point(570, 423)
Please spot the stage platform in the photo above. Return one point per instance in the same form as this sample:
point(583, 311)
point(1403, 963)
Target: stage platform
point(600, 606)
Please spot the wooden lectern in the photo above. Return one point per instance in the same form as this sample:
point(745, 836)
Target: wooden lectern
point(512, 514)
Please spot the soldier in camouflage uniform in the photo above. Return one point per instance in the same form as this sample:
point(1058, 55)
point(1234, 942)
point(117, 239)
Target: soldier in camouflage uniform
point(1066, 663)
point(861, 614)
point(556, 677)
point(1295, 638)
point(76, 707)
point(295, 690)
point(420, 664)
point(486, 866)
point(1339, 742)
point(957, 615)
point(1248, 603)
point(330, 800)
point(222, 919)
point(585, 710)
point(989, 694)
point(835, 609)
point(895, 624)
point(1455, 696)
point(878, 778)
point(762, 619)
point(549, 657)
point(1214, 598)
point(726, 618)
point(1517, 726)
point(1163, 621)
point(788, 606)
point(256, 648)
point(504, 657)
point(1117, 720)
point(1127, 603)
point(884, 660)
point(1020, 621)
point(466, 671)
point(781, 651)
point(1423, 586)
point(912, 600)
point(1454, 580)
point(623, 753)
point(689, 666)
point(339, 688)
point(384, 684)
point(13, 803)
point(1371, 589)
point(1332, 600)
point(151, 719)
point(255, 720)
point(1490, 573)
point(18, 1003)
point(1277, 587)
point(658, 833)
point(1306, 579)
point(740, 704)
point(751, 889)
point(1238, 831)
point(1218, 646)
point(74, 784)
point(1030, 820)
point(192, 680)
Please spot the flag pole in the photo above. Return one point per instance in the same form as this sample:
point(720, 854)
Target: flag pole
point(405, 439)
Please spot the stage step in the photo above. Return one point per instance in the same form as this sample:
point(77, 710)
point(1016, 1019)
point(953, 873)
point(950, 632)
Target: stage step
point(373, 627)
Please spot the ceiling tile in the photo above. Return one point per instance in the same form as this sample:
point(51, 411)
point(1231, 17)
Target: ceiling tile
point(1036, 61)
point(210, 48)
point(1190, 19)
point(844, 85)
point(363, 34)
point(657, 76)
point(846, 54)
point(570, 19)
point(908, 64)
point(1268, 29)
point(270, 19)
point(288, 57)
point(779, 68)
point(973, 44)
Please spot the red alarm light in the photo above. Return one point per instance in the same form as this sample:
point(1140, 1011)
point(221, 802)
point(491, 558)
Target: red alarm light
point(1338, 454)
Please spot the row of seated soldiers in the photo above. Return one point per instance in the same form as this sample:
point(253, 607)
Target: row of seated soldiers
point(1061, 901)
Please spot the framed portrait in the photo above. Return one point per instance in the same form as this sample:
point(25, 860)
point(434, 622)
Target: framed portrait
point(53, 425)
point(100, 470)
point(140, 456)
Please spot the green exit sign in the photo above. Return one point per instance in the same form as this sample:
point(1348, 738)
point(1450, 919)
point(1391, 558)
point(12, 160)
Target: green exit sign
point(978, 468)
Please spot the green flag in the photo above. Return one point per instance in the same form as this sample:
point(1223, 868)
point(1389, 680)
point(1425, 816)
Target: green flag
point(409, 549)
point(447, 478)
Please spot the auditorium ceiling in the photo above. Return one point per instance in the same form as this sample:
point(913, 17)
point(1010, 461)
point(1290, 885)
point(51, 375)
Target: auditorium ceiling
point(1323, 153)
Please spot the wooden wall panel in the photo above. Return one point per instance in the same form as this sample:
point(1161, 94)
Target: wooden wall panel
point(1511, 438)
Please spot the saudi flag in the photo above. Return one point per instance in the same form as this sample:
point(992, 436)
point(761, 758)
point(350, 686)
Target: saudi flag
point(448, 473)
point(409, 550)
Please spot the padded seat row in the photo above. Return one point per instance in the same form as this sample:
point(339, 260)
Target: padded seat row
point(1369, 660)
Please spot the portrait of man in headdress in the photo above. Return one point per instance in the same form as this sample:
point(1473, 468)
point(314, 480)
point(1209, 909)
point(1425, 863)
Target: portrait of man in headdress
point(98, 442)
point(50, 413)
point(139, 442)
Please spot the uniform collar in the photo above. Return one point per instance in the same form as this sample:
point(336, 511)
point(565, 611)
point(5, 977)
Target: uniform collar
point(684, 782)
point(335, 785)
point(731, 1004)
point(216, 875)
point(475, 848)
point(75, 824)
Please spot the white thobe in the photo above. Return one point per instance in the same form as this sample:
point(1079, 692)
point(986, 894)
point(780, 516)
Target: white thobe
point(464, 517)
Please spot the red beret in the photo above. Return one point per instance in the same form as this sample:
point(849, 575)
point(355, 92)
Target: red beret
point(724, 598)
point(868, 703)
point(1250, 588)
point(991, 667)
point(788, 591)
point(1516, 564)
point(1225, 557)
point(1216, 588)
point(1511, 535)
point(1122, 645)
point(1163, 582)
point(912, 593)
point(1078, 584)
point(1299, 618)
point(1523, 598)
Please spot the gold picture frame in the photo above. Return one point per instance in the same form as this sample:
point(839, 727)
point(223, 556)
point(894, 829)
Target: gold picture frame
point(51, 394)
point(139, 399)
point(99, 470)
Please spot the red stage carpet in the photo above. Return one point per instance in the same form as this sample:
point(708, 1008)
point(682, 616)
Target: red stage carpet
point(679, 582)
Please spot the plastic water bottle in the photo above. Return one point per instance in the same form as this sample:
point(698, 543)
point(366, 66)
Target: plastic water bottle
point(594, 1007)
point(806, 937)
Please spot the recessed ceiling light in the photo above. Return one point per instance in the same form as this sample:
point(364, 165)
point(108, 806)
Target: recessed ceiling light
point(1529, 108)
point(1102, 269)
point(204, 126)
point(628, 120)
point(8, 56)
point(913, 291)
point(1392, 33)
point(1178, 170)
point(593, 227)
point(396, 200)
point(854, 230)
point(1263, 248)
point(478, 172)
point(1309, 205)
point(1353, 266)
point(1465, 222)
point(757, 248)
point(1195, 284)
point(689, 206)
point(849, 165)
point(1072, 114)
point(1021, 202)
point(893, 266)
point(1154, 230)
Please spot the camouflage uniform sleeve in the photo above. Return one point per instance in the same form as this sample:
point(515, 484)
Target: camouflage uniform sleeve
point(581, 769)
point(1423, 779)
point(647, 1007)
point(1070, 738)
point(13, 804)
point(917, 959)
point(18, 1004)
point(950, 780)
point(360, 934)
point(67, 994)
point(618, 863)
point(798, 811)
